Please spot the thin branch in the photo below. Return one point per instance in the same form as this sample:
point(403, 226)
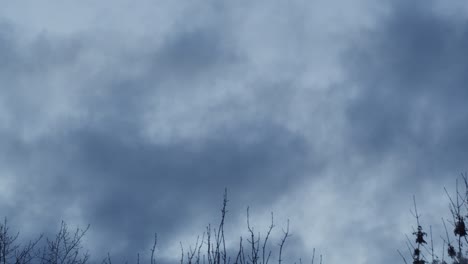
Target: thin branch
point(153, 249)
point(403, 257)
point(265, 242)
point(285, 236)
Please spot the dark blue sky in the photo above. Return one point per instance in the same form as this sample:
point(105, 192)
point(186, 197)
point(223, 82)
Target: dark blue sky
point(134, 116)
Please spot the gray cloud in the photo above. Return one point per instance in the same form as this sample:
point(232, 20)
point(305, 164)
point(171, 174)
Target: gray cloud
point(408, 109)
point(127, 188)
point(411, 71)
point(137, 121)
point(84, 147)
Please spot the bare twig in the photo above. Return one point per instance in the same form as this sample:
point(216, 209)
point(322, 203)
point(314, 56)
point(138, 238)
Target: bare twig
point(403, 257)
point(265, 242)
point(153, 249)
point(283, 240)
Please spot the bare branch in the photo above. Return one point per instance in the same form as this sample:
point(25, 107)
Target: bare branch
point(285, 236)
point(153, 249)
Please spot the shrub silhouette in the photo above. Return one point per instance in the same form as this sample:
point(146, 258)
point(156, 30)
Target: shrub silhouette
point(453, 244)
point(66, 247)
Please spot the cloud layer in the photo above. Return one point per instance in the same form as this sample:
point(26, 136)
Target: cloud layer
point(134, 118)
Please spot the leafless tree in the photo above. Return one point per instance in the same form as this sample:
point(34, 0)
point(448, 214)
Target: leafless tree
point(11, 251)
point(66, 247)
point(216, 244)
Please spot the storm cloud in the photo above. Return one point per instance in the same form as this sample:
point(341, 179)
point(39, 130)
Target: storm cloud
point(134, 118)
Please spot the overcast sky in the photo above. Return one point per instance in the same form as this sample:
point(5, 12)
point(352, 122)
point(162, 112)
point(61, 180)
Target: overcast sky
point(133, 116)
